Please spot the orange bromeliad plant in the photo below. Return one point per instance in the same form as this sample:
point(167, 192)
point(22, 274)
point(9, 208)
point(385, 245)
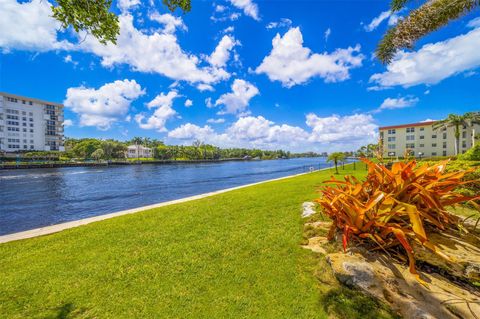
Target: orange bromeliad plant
point(394, 206)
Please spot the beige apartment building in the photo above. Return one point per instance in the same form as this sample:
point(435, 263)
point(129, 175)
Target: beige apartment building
point(424, 141)
point(28, 124)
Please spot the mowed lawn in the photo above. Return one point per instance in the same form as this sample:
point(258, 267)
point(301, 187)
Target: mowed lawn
point(234, 255)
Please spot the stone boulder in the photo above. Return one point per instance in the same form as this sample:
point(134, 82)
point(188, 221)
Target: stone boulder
point(464, 251)
point(308, 209)
point(381, 278)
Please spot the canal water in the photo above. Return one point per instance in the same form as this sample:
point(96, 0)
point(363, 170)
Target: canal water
point(32, 198)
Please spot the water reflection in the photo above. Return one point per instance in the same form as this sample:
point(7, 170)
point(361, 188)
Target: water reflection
point(40, 197)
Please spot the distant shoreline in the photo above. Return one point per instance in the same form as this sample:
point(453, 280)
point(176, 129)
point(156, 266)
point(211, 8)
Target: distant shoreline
point(122, 163)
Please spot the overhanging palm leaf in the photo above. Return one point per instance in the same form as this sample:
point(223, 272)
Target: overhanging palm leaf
point(427, 18)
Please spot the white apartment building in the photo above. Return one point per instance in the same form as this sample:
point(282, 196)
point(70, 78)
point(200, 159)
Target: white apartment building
point(138, 151)
point(28, 124)
point(424, 141)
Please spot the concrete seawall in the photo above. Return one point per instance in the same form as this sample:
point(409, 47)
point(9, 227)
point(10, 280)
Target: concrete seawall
point(88, 164)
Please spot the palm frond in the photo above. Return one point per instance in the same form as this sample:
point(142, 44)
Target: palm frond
point(429, 17)
point(398, 5)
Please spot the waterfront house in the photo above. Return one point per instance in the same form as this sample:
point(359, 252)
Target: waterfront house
point(138, 151)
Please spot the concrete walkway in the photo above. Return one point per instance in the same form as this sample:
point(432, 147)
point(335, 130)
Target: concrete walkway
point(59, 227)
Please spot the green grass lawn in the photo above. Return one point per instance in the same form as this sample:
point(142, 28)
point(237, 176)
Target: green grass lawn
point(234, 255)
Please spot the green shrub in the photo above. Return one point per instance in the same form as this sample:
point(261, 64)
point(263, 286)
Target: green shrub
point(472, 154)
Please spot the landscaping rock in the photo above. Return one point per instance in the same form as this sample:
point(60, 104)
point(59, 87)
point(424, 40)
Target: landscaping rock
point(381, 278)
point(317, 244)
point(321, 225)
point(308, 209)
point(464, 251)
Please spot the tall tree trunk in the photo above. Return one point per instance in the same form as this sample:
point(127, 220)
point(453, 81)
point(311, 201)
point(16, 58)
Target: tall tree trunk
point(457, 139)
point(473, 136)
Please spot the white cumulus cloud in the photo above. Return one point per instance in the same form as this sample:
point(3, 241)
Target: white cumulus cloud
point(328, 133)
point(191, 131)
point(125, 5)
point(154, 52)
point(164, 111)
point(327, 34)
point(261, 131)
point(397, 103)
point(237, 101)
point(216, 121)
point(249, 7)
point(103, 106)
point(388, 16)
point(67, 123)
point(291, 63)
point(433, 63)
point(188, 103)
point(221, 55)
point(170, 22)
point(284, 22)
point(354, 129)
point(29, 26)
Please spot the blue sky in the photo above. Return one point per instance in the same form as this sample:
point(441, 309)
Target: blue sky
point(236, 72)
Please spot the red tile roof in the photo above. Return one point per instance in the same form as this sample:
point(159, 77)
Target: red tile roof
point(407, 125)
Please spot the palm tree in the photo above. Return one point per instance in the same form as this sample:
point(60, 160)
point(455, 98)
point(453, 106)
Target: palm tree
point(429, 17)
point(335, 158)
point(458, 121)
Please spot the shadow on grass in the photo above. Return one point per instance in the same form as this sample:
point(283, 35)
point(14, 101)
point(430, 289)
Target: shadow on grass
point(68, 310)
point(347, 303)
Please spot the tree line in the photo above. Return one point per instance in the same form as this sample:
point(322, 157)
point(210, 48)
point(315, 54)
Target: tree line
point(110, 149)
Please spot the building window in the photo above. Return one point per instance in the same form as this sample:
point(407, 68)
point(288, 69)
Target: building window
point(391, 139)
point(422, 137)
point(422, 129)
point(410, 129)
point(410, 145)
point(391, 146)
point(410, 137)
point(464, 134)
point(444, 153)
point(434, 144)
point(392, 131)
point(444, 144)
point(422, 145)
point(434, 153)
point(464, 144)
point(444, 136)
point(434, 136)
